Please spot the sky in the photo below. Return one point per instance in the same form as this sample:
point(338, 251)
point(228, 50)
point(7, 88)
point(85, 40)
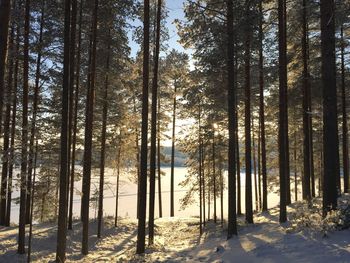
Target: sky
point(175, 11)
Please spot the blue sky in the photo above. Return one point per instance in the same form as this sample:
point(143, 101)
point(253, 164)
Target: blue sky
point(175, 11)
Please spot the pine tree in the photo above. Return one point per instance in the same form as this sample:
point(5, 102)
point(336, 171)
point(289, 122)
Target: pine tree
point(88, 132)
point(262, 109)
point(345, 142)
point(247, 118)
point(64, 166)
point(231, 100)
point(154, 128)
point(282, 140)
point(5, 7)
point(103, 143)
point(142, 192)
point(24, 152)
point(330, 127)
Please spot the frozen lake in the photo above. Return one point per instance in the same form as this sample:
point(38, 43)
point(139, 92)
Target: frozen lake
point(128, 196)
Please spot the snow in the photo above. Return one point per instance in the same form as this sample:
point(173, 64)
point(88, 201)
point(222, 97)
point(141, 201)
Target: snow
point(177, 240)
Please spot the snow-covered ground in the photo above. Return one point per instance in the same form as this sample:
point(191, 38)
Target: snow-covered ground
point(177, 240)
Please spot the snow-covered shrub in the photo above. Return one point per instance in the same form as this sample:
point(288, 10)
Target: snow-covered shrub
point(309, 218)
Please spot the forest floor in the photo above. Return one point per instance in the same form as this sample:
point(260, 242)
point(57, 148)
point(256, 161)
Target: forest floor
point(305, 238)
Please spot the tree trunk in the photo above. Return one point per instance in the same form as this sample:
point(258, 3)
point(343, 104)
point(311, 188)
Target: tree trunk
point(74, 139)
point(330, 126)
point(158, 162)
point(32, 190)
point(71, 88)
point(344, 117)
point(62, 217)
point(200, 169)
point(247, 120)
point(117, 186)
point(5, 7)
point(144, 130)
point(88, 134)
point(154, 129)
point(214, 176)
point(103, 142)
point(262, 110)
point(306, 111)
point(282, 136)
point(231, 103)
point(295, 169)
point(173, 156)
point(13, 131)
point(203, 179)
point(24, 153)
point(255, 169)
point(5, 161)
point(35, 110)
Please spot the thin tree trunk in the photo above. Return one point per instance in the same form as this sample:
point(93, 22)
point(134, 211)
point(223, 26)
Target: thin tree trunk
point(5, 161)
point(330, 126)
point(262, 110)
point(200, 170)
point(283, 169)
point(295, 169)
point(248, 150)
point(117, 186)
point(71, 87)
point(35, 110)
point(214, 177)
point(103, 142)
point(222, 197)
point(24, 153)
point(345, 143)
point(13, 132)
point(5, 7)
point(88, 134)
point(231, 103)
point(143, 164)
point(173, 155)
point(154, 129)
point(62, 217)
point(203, 179)
point(259, 167)
point(306, 110)
point(32, 189)
point(255, 169)
point(158, 162)
point(74, 139)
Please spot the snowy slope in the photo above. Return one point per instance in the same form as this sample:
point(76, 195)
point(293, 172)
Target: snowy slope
point(177, 240)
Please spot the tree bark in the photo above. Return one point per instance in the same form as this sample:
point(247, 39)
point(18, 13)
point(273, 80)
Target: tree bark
point(35, 111)
point(24, 152)
point(62, 217)
point(5, 7)
point(262, 110)
point(231, 103)
point(345, 142)
point(144, 130)
point(282, 135)
point(173, 155)
point(306, 110)
point(5, 160)
point(330, 123)
point(103, 142)
point(88, 134)
point(154, 128)
point(13, 131)
point(74, 139)
point(247, 120)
